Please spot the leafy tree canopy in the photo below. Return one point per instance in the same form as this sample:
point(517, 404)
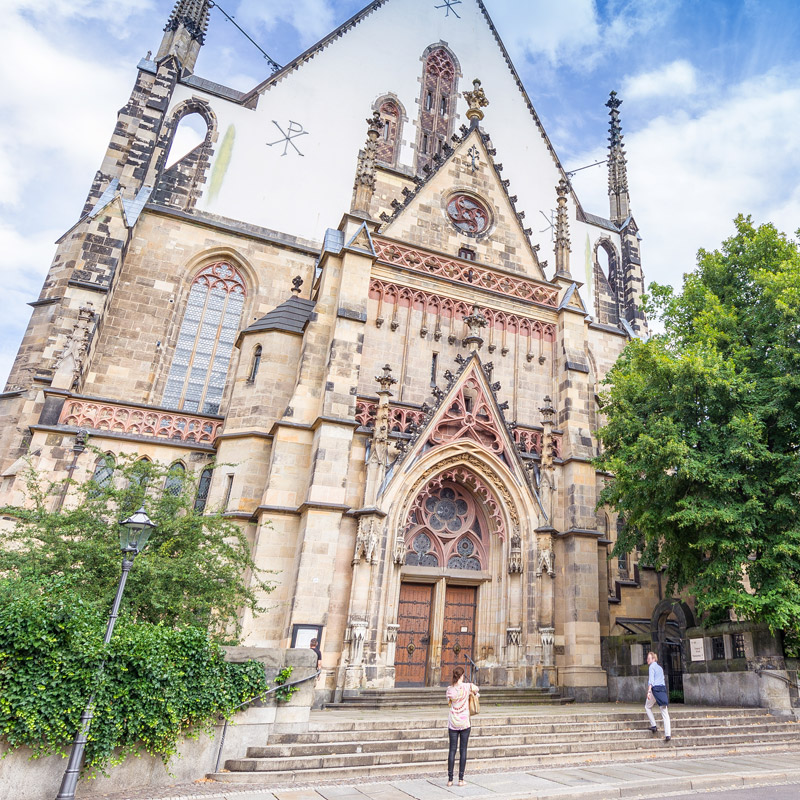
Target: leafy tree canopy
point(702, 439)
point(197, 568)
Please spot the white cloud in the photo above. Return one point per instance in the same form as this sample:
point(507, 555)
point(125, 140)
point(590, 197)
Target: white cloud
point(56, 11)
point(23, 265)
point(574, 32)
point(312, 19)
point(49, 124)
point(690, 174)
point(672, 80)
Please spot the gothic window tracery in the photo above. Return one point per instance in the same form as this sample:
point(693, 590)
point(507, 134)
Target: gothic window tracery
point(436, 104)
point(173, 484)
point(103, 473)
point(389, 143)
point(203, 486)
point(445, 528)
point(208, 331)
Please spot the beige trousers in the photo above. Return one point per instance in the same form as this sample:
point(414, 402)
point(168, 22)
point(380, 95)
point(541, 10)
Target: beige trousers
point(648, 707)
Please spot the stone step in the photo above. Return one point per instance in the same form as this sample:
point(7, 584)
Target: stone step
point(395, 757)
point(504, 716)
point(399, 705)
point(492, 726)
point(657, 749)
point(513, 736)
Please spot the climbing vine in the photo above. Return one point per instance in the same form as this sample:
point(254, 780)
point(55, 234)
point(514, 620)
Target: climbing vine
point(157, 684)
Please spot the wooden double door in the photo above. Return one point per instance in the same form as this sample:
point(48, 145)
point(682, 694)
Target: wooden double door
point(431, 641)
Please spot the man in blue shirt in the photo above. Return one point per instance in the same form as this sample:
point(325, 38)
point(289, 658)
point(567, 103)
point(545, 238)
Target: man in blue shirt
point(657, 693)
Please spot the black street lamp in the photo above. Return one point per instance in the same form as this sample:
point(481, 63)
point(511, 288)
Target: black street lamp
point(133, 535)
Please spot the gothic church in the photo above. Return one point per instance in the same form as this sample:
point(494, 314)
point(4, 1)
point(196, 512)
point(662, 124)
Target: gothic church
point(356, 317)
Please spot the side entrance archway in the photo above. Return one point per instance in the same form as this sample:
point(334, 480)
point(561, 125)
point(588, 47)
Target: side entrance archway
point(671, 618)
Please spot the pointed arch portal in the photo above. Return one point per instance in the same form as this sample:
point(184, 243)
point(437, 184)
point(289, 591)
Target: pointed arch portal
point(453, 527)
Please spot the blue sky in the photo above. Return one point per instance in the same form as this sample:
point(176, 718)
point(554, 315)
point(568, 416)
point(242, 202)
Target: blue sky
point(710, 89)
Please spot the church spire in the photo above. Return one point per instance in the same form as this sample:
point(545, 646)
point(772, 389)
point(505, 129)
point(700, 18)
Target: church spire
point(619, 199)
point(185, 32)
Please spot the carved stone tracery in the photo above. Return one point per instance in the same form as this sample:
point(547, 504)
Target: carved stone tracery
point(446, 527)
point(464, 272)
point(469, 415)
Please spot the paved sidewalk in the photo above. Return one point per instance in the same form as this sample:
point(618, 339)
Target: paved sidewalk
point(656, 778)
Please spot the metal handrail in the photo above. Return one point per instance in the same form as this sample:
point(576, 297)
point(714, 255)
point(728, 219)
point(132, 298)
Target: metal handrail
point(782, 678)
point(473, 668)
point(252, 700)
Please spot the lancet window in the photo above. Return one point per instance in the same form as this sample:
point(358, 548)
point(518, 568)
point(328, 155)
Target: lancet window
point(208, 331)
point(389, 141)
point(437, 104)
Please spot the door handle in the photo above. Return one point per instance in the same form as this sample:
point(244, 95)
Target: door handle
point(425, 640)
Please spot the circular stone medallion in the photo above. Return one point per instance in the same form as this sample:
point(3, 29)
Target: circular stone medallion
point(468, 214)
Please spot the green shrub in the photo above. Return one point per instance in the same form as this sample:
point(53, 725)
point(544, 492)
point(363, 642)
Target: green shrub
point(158, 683)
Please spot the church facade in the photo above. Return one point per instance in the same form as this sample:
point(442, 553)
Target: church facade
point(335, 298)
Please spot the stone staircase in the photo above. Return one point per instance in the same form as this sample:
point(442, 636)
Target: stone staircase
point(382, 746)
point(432, 698)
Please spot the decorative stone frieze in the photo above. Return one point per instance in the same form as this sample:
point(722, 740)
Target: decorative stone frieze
point(139, 421)
point(465, 272)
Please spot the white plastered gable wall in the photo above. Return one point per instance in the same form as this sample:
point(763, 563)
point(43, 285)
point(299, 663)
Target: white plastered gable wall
point(331, 95)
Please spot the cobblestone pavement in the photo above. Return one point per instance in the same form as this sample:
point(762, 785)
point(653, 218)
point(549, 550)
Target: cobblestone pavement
point(674, 778)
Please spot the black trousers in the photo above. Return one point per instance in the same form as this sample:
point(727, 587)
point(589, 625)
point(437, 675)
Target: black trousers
point(460, 739)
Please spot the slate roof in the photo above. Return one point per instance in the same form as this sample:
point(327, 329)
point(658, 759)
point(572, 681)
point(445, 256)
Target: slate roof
point(291, 316)
point(601, 222)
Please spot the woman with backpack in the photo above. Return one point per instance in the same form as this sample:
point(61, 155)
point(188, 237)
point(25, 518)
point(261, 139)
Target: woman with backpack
point(460, 696)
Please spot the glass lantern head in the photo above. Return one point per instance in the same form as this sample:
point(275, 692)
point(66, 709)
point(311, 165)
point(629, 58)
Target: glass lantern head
point(135, 531)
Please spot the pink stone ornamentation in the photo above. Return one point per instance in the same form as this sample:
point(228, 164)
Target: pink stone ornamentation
point(221, 275)
point(465, 272)
point(529, 440)
point(469, 415)
point(394, 297)
point(400, 417)
point(446, 527)
point(139, 421)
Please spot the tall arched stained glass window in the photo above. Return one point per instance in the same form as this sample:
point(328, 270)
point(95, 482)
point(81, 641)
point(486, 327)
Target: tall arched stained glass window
point(437, 103)
point(203, 352)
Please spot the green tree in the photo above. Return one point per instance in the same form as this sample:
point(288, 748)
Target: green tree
point(703, 431)
point(197, 568)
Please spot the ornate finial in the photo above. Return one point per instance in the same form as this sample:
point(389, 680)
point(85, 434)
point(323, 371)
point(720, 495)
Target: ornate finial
point(562, 230)
point(475, 321)
point(185, 31)
point(477, 100)
point(375, 125)
point(547, 411)
point(365, 170)
point(297, 282)
point(619, 199)
point(387, 380)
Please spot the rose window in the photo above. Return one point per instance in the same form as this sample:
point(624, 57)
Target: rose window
point(445, 527)
point(468, 214)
